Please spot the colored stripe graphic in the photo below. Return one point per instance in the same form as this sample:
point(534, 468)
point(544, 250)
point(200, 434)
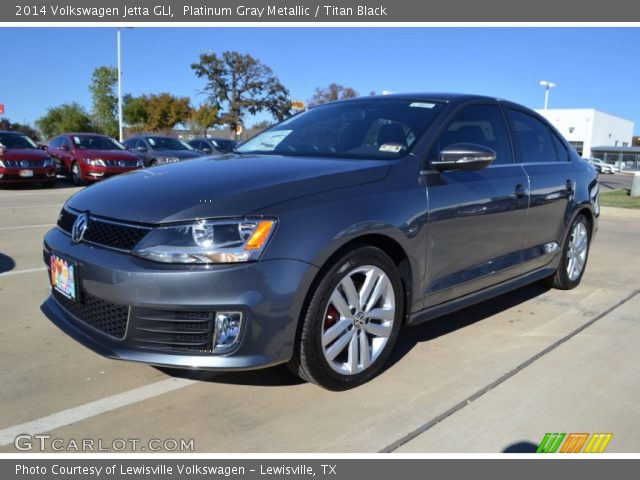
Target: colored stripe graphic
point(550, 442)
point(574, 443)
point(598, 442)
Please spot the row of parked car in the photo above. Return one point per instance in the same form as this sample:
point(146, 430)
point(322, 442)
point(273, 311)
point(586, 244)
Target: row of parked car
point(88, 157)
point(602, 166)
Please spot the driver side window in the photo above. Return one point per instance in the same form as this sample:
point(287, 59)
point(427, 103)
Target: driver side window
point(480, 124)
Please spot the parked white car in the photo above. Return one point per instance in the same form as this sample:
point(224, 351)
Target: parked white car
point(602, 167)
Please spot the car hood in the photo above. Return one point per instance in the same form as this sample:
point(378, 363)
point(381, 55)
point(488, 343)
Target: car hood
point(228, 186)
point(24, 154)
point(107, 155)
point(181, 154)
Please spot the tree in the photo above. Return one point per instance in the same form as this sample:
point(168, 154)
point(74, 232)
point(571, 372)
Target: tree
point(239, 84)
point(105, 100)
point(203, 118)
point(331, 93)
point(156, 112)
point(69, 117)
point(5, 124)
point(134, 111)
point(260, 126)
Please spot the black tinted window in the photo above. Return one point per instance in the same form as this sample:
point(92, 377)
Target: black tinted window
point(534, 137)
point(561, 150)
point(479, 124)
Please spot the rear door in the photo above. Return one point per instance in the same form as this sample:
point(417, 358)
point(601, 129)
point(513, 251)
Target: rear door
point(552, 180)
point(476, 217)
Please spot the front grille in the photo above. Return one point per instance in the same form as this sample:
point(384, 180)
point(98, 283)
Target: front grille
point(65, 220)
point(109, 318)
point(105, 233)
point(116, 163)
point(113, 235)
point(172, 331)
point(24, 163)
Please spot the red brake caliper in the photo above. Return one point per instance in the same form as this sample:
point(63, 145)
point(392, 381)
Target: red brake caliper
point(332, 316)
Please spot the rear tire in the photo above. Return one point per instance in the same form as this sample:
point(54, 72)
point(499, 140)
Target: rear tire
point(352, 321)
point(574, 258)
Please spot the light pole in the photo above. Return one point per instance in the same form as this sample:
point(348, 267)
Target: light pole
point(547, 86)
point(119, 90)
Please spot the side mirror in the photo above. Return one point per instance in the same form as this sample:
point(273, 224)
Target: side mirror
point(64, 148)
point(43, 147)
point(141, 148)
point(207, 150)
point(464, 156)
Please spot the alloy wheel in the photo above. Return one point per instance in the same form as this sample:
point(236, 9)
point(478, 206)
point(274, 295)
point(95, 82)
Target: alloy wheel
point(358, 320)
point(577, 251)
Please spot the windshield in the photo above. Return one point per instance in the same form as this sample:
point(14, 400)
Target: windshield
point(16, 140)
point(376, 129)
point(167, 143)
point(224, 145)
point(96, 142)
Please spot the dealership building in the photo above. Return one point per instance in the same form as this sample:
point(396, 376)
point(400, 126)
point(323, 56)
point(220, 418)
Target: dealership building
point(596, 134)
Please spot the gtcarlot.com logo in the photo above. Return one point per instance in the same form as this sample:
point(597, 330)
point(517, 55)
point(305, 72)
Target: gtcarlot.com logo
point(44, 442)
point(574, 442)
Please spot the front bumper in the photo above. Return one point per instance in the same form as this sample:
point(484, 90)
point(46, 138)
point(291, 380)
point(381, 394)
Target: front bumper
point(269, 294)
point(96, 172)
point(39, 174)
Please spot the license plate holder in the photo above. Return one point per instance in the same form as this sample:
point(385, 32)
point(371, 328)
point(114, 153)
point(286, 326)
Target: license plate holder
point(64, 276)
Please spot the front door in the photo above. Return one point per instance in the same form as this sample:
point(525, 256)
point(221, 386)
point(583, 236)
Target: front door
point(476, 217)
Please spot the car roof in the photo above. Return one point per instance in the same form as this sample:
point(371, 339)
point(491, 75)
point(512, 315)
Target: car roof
point(83, 134)
point(13, 132)
point(434, 96)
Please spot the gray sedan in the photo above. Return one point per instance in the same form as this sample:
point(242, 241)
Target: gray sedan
point(323, 236)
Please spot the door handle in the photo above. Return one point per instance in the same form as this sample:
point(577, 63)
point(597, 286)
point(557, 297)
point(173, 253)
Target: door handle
point(519, 191)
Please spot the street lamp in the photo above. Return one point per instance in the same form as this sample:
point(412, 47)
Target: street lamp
point(119, 90)
point(547, 85)
point(120, 128)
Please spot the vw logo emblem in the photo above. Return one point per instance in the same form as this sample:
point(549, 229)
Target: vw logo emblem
point(79, 227)
point(122, 163)
point(24, 163)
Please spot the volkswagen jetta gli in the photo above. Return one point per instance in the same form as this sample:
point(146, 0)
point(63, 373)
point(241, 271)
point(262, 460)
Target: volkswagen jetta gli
point(317, 240)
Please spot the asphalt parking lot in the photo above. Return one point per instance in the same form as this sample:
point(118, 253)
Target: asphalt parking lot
point(492, 378)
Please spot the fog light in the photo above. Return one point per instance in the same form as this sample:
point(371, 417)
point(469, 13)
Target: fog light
point(1, 175)
point(227, 331)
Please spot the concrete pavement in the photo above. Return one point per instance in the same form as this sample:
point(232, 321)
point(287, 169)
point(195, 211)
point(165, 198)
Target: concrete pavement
point(54, 385)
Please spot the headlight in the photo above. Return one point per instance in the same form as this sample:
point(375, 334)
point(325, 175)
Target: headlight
point(1, 164)
point(95, 162)
point(48, 162)
point(208, 241)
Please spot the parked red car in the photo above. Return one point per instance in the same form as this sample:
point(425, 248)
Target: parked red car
point(21, 161)
point(89, 157)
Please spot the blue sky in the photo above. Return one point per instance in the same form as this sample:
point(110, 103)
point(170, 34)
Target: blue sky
point(592, 67)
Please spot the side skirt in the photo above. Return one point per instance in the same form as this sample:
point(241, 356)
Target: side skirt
point(480, 296)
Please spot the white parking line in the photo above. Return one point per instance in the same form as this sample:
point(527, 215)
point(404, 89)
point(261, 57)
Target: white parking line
point(21, 271)
point(92, 409)
point(20, 227)
point(46, 205)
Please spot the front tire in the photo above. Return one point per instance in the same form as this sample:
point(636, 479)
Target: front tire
point(574, 255)
point(76, 174)
point(352, 321)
